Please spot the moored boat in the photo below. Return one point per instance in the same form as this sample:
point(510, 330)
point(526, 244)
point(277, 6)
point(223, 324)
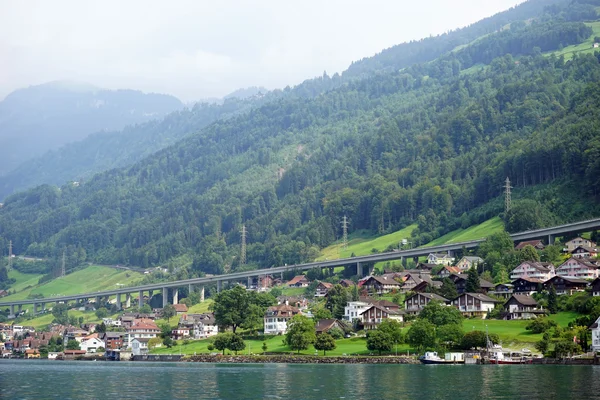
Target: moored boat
point(431, 357)
point(499, 357)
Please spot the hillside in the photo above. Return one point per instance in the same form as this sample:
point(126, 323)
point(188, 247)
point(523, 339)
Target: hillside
point(44, 117)
point(428, 146)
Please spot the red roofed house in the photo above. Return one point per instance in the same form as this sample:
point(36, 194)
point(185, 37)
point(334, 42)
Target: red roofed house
point(142, 330)
point(447, 271)
point(299, 281)
point(180, 308)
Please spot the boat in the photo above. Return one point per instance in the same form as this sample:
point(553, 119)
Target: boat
point(499, 357)
point(431, 357)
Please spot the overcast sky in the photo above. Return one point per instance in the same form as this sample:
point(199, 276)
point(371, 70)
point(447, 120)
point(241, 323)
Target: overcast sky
point(196, 49)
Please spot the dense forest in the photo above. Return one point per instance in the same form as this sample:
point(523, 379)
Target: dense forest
point(432, 144)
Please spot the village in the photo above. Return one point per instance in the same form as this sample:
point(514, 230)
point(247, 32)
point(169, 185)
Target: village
point(393, 296)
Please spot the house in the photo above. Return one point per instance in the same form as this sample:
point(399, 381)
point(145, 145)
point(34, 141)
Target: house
point(578, 241)
point(353, 309)
point(415, 303)
point(299, 302)
point(32, 353)
point(141, 329)
point(439, 259)
point(299, 281)
point(474, 304)
point(112, 340)
point(53, 355)
point(91, 343)
point(180, 308)
point(465, 263)
point(374, 315)
point(596, 287)
point(537, 244)
point(3, 293)
point(418, 282)
point(595, 328)
point(347, 283)
point(578, 268)
point(265, 282)
point(381, 284)
point(181, 332)
point(533, 269)
point(527, 286)
point(503, 290)
point(277, 317)
point(202, 325)
point(111, 322)
point(325, 325)
point(322, 289)
point(73, 354)
point(447, 271)
point(460, 281)
point(521, 307)
point(584, 252)
point(426, 286)
point(426, 266)
point(566, 284)
point(139, 346)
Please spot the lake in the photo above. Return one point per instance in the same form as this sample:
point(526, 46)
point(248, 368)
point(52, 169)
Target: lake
point(42, 379)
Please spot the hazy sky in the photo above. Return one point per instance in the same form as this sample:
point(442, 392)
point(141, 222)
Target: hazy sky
point(196, 49)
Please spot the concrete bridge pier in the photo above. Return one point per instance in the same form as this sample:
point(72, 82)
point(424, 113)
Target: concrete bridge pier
point(141, 299)
point(35, 308)
point(98, 301)
point(202, 294)
point(12, 311)
point(175, 295)
point(331, 271)
point(128, 300)
point(359, 270)
point(190, 289)
point(250, 281)
point(20, 308)
point(550, 240)
point(119, 301)
point(165, 296)
point(218, 286)
point(43, 306)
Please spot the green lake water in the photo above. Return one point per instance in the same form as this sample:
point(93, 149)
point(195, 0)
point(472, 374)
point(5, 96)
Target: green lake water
point(125, 380)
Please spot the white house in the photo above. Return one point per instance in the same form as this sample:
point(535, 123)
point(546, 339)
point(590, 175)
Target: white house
point(374, 315)
point(533, 269)
point(139, 346)
point(474, 304)
point(439, 259)
point(91, 343)
point(111, 322)
point(578, 268)
point(578, 241)
point(276, 318)
point(354, 308)
point(467, 262)
point(415, 303)
point(595, 328)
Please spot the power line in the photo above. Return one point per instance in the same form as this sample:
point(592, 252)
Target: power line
point(345, 232)
point(243, 250)
point(507, 196)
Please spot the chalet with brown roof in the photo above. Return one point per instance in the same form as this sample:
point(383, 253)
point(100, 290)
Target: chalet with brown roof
point(374, 315)
point(566, 284)
point(448, 271)
point(277, 317)
point(467, 262)
point(527, 286)
point(322, 289)
point(426, 266)
point(460, 281)
point(521, 307)
point(537, 244)
point(415, 303)
point(503, 290)
point(325, 325)
point(381, 284)
point(474, 304)
point(180, 308)
point(424, 284)
point(299, 281)
point(32, 353)
point(584, 252)
point(347, 283)
point(3, 293)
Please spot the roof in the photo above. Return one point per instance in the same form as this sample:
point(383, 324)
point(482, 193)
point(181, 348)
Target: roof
point(480, 296)
point(391, 312)
point(431, 296)
point(528, 279)
point(533, 243)
point(325, 324)
point(540, 266)
point(523, 299)
point(347, 282)
point(585, 248)
point(473, 259)
point(326, 284)
point(453, 270)
point(384, 280)
point(180, 307)
point(144, 326)
point(440, 255)
point(570, 279)
point(296, 279)
point(141, 340)
point(282, 310)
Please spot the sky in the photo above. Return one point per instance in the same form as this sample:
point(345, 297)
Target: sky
point(196, 49)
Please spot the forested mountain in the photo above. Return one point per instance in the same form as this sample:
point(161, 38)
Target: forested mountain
point(432, 144)
point(44, 117)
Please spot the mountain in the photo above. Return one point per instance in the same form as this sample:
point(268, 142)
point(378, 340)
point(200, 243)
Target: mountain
point(431, 144)
point(247, 92)
point(45, 117)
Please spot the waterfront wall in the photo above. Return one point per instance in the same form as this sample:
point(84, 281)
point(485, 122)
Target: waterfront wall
point(290, 359)
point(157, 357)
point(567, 361)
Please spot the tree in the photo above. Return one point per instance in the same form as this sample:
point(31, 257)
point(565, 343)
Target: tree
point(146, 309)
point(393, 329)
point(540, 325)
point(169, 312)
point(236, 343)
point(101, 313)
point(337, 298)
point(477, 339)
point(222, 340)
point(439, 314)
point(566, 348)
point(167, 341)
point(451, 335)
point(100, 349)
point(73, 344)
point(379, 341)
point(165, 330)
point(264, 347)
point(336, 333)
point(300, 333)
point(473, 283)
point(552, 300)
point(543, 344)
point(421, 334)
point(325, 342)
point(448, 289)
point(61, 314)
point(153, 342)
point(320, 313)
point(238, 307)
point(529, 253)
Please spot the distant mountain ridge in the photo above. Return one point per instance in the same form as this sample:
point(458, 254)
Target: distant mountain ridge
point(44, 117)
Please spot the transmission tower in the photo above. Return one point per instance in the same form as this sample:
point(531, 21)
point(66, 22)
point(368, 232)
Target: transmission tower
point(9, 254)
point(63, 270)
point(507, 199)
point(243, 251)
point(345, 232)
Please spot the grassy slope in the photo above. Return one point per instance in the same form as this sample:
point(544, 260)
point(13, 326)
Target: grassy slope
point(482, 230)
point(583, 48)
point(90, 279)
point(512, 334)
point(23, 280)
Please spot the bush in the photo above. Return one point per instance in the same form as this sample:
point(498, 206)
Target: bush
point(540, 325)
point(336, 333)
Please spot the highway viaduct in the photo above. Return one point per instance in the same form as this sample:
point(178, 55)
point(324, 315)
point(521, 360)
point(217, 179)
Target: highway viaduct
point(360, 261)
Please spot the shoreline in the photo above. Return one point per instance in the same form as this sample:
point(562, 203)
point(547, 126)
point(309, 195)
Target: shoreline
point(287, 359)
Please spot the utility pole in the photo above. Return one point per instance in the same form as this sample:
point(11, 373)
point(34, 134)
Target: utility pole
point(345, 232)
point(507, 199)
point(63, 269)
point(243, 251)
point(9, 254)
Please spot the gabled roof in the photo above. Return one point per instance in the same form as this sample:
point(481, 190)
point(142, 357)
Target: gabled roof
point(479, 296)
point(180, 307)
point(540, 266)
point(326, 284)
point(297, 279)
point(326, 324)
point(473, 259)
point(391, 312)
point(453, 270)
point(282, 310)
point(383, 280)
point(528, 279)
point(347, 282)
point(570, 279)
point(440, 255)
point(584, 248)
point(523, 299)
point(431, 296)
point(534, 243)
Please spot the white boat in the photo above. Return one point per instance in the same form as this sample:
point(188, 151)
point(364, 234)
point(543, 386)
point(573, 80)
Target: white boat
point(431, 357)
